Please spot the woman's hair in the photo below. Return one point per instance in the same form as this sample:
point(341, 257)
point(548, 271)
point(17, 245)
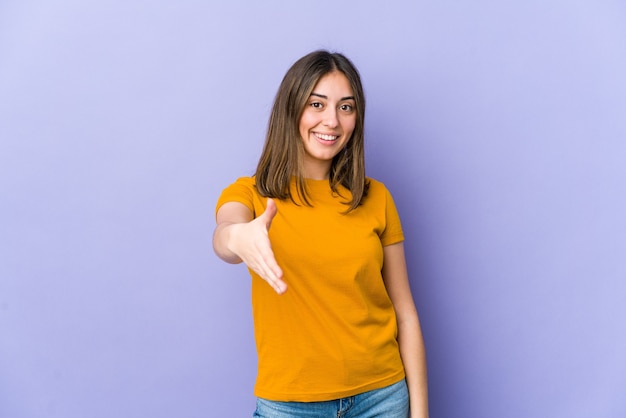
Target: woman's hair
point(283, 152)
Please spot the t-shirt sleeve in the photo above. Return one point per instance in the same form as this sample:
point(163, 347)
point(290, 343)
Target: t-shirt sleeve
point(242, 191)
point(393, 230)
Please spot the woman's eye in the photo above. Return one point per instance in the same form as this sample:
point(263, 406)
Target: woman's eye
point(347, 108)
point(316, 105)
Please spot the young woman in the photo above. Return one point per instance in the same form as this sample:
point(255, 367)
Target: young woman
point(336, 328)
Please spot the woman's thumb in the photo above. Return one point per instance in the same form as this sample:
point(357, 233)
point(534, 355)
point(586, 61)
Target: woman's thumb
point(270, 212)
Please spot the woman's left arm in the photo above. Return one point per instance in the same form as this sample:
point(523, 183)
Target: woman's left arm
point(410, 338)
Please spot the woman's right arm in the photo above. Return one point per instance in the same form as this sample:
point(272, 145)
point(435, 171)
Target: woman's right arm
point(240, 238)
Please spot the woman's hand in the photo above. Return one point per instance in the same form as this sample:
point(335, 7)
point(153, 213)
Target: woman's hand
point(238, 238)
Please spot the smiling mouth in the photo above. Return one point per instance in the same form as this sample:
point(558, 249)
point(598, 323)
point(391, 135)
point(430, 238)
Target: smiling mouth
point(323, 137)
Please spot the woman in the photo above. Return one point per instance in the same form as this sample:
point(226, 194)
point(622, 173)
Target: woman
point(336, 328)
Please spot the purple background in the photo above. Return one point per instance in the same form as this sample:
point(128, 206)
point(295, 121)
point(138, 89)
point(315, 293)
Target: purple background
point(500, 128)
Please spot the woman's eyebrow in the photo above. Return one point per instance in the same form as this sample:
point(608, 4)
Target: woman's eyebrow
point(326, 97)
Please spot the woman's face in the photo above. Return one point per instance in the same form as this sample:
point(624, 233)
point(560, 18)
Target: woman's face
point(327, 123)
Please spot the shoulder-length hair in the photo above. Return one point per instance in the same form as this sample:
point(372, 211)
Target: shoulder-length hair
point(283, 152)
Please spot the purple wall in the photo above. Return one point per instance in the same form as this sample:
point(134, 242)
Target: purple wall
point(500, 129)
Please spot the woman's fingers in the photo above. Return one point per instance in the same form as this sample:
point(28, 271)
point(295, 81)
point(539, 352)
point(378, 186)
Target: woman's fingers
point(255, 249)
point(265, 265)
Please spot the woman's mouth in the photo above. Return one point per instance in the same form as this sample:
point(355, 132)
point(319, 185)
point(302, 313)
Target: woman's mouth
point(325, 137)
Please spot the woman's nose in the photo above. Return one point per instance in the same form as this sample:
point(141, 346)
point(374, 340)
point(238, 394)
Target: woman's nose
point(330, 118)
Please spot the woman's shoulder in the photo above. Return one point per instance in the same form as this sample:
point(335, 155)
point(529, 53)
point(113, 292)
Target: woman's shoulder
point(242, 185)
point(246, 180)
point(376, 186)
point(377, 192)
point(242, 190)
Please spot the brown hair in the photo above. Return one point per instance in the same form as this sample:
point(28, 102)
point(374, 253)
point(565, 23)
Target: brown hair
point(283, 151)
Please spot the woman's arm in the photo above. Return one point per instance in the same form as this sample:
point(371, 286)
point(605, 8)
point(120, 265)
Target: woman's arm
point(238, 237)
point(409, 331)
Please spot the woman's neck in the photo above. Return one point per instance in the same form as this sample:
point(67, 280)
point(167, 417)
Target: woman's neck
point(316, 170)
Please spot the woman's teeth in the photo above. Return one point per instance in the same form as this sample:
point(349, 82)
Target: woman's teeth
point(326, 137)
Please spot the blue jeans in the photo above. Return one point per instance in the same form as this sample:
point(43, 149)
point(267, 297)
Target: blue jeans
point(389, 402)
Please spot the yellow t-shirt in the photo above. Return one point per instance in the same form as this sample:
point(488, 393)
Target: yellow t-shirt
point(333, 333)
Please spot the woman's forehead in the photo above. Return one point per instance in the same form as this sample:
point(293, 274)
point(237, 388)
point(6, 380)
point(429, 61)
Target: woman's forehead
point(333, 85)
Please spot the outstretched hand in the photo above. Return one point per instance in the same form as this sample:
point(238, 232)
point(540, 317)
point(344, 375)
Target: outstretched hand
point(252, 244)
